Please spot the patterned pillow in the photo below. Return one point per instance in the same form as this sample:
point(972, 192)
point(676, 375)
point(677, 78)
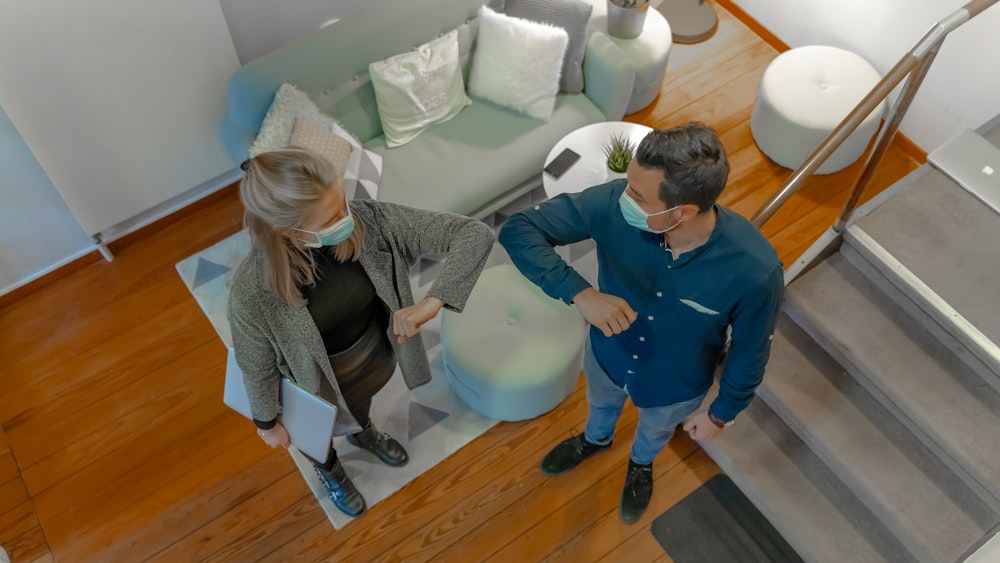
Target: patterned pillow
point(363, 170)
point(362, 179)
point(323, 142)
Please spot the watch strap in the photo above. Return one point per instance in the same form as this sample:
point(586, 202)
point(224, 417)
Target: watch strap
point(720, 423)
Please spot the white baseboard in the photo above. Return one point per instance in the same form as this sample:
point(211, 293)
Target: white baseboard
point(135, 223)
point(65, 261)
point(172, 205)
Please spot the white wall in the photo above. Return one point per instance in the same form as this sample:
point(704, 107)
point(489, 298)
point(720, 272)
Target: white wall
point(260, 26)
point(37, 230)
point(962, 89)
point(119, 100)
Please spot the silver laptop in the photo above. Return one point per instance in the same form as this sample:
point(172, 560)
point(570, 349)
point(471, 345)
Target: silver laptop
point(972, 162)
point(308, 418)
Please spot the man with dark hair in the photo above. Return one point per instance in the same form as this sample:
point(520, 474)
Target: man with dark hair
point(678, 274)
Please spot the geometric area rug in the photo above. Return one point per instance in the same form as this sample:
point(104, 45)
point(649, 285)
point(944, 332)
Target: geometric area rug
point(716, 522)
point(431, 422)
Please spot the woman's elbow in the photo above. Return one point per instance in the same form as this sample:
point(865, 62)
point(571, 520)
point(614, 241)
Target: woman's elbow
point(483, 235)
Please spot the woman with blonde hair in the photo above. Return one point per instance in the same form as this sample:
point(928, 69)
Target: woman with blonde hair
point(323, 298)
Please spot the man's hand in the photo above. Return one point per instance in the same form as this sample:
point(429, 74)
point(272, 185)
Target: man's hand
point(701, 428)
point(612, 315)
point(407, 321)
point(276, 437)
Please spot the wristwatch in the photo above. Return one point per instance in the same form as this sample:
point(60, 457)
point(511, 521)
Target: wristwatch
point(721, 424)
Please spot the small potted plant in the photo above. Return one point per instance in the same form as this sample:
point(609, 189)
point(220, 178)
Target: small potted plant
point(626, 17)
point(619, 149)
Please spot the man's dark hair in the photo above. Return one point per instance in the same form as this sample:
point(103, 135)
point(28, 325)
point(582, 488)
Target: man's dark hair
point(693, 161)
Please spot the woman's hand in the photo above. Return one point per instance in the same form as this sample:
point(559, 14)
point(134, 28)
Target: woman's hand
point(276, 437)
point(407, 321)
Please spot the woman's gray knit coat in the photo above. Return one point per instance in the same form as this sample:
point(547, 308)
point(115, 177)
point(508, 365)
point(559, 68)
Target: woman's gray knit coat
point(273, 339)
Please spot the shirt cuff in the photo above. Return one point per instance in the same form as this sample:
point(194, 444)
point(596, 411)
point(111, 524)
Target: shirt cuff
point(571, 287)
point(266, 424)
point(723, 412)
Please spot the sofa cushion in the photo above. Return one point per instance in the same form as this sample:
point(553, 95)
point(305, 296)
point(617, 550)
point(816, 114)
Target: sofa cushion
point(418, 88)
point(517, 63)
point(571, 15)
point(464, 164)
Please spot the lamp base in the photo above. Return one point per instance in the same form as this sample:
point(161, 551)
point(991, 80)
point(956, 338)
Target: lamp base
point(691, 21)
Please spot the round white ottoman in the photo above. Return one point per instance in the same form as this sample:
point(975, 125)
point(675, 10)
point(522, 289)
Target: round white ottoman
point(514, 353)
point(804, 94)
point(648, 53)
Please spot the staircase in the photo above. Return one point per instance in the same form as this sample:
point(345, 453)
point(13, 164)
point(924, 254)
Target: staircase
point(875, 435)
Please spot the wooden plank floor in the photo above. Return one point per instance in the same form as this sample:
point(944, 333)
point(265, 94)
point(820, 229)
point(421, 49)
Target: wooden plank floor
point(115, 444)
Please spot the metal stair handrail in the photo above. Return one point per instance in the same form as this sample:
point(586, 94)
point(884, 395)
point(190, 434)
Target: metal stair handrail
point(913, 67)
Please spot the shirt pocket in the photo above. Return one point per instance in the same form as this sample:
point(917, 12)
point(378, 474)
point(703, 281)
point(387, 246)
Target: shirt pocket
point(704, 322)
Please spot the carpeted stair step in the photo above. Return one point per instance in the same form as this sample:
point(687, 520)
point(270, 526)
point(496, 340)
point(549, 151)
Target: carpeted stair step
point(815, 513)
point(903, 482)
point(919, 380)
point(936, 242)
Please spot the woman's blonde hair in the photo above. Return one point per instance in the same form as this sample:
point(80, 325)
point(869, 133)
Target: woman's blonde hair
point(278, 190)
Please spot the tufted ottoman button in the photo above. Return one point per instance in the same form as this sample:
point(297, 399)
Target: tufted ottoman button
point(803, 96)
point(514, 353)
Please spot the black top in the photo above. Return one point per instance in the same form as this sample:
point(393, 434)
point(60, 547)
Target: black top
point(343, 302)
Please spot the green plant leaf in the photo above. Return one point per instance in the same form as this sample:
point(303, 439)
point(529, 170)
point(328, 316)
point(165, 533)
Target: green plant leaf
point(618, 150)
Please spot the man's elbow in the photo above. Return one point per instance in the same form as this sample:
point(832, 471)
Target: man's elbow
point(509, 231)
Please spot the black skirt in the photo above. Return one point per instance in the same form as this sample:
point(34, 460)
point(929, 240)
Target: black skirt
point(364, 368)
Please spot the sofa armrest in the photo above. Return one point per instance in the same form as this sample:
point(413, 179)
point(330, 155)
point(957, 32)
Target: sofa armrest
point(248, 96)
point(608, 76)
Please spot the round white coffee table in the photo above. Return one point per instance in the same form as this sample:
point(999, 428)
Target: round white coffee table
point(592, 168)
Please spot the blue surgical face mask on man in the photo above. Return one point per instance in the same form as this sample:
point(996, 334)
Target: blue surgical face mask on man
point(637, 217)
point(332, 235)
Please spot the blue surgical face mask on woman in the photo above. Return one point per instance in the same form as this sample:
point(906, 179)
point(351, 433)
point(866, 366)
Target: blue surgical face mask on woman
point(332, 235)
point(637, 217)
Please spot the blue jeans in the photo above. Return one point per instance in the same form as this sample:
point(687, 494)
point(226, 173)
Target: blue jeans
point(656, 425)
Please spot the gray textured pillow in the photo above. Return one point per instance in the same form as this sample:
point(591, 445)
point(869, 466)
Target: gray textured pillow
point(571, 15)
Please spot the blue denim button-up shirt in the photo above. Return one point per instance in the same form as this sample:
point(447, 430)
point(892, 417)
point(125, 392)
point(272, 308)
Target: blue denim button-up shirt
point(686, 305)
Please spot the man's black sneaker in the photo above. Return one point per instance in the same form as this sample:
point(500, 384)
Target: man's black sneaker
point(569, 454)
point(637, 492)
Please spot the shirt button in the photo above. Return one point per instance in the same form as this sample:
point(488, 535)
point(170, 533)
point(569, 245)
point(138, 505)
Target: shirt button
point(659, 294)
point(650, 317)
point(635, 357)
point(642, 339)
point(631, 372)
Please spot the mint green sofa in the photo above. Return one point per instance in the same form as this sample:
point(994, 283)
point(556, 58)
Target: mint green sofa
point(477, 162)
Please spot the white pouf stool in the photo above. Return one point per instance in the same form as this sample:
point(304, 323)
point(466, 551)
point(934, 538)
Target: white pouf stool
point(514, 353)
point(648, 53)
point(804, 94)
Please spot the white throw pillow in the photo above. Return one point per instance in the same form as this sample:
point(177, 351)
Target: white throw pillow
point(419, 88)
point(517, 63)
